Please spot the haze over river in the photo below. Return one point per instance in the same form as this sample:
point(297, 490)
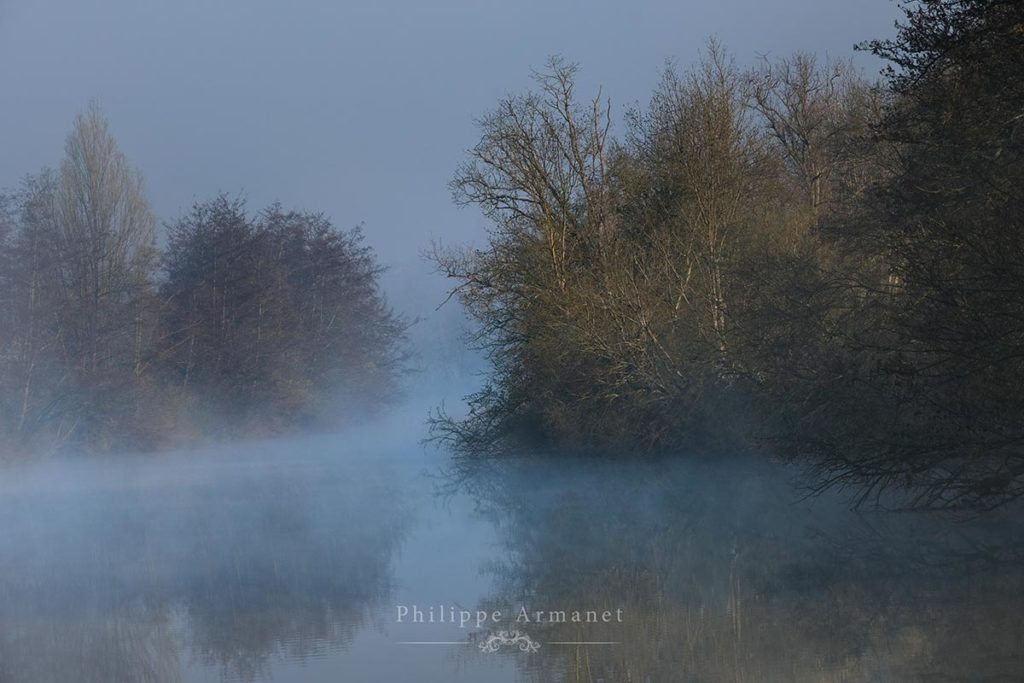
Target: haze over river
point(292, 560)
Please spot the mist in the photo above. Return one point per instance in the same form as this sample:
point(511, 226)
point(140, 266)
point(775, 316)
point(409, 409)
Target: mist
point(464, 341)
point(289, 559)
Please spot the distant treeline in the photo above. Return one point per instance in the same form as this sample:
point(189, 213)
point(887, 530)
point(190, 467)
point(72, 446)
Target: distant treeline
point(787, 255)
point(244, 324)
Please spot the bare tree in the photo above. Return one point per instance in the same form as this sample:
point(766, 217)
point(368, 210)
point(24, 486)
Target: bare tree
point(810, 110)
point(602, 294)
point(541, 174)
point(104, 235)
point(276, 319)
point(79, 269)
point(708, 166)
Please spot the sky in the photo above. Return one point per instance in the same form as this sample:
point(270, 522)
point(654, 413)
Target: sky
point(361, 110)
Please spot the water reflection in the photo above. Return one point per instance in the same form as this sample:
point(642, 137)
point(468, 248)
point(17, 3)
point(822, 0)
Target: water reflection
point(131, 641)
point(724, 574)
point(286, 564)
point(131, 572)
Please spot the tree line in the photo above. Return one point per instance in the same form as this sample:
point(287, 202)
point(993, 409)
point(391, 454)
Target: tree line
point(789, 256)
point(243, 323)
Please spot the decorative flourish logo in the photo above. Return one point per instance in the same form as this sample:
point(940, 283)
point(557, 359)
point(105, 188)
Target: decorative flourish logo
point(523, 641)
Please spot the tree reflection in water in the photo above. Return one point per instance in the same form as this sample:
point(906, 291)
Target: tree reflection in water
point(161, 574)
point(725, 574)
point(127, 577)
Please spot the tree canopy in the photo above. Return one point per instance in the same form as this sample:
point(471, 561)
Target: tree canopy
point(787, 256)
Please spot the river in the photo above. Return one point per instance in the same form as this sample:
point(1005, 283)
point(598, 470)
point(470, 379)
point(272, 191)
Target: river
point(364, 556)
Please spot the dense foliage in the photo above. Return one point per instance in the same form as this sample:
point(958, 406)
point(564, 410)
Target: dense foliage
point(277, 316)
point(787, 254)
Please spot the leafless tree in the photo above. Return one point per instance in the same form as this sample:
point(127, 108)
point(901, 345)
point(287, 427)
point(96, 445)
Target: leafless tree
point(104, 235)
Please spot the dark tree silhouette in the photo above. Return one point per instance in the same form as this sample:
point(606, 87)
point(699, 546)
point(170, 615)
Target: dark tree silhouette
point(276, 316)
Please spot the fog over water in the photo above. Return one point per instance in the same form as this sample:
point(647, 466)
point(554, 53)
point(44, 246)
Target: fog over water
point(290, 560)
point(368, 553)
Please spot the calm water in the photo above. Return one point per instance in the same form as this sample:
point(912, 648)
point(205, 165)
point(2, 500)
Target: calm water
point(293, 561)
